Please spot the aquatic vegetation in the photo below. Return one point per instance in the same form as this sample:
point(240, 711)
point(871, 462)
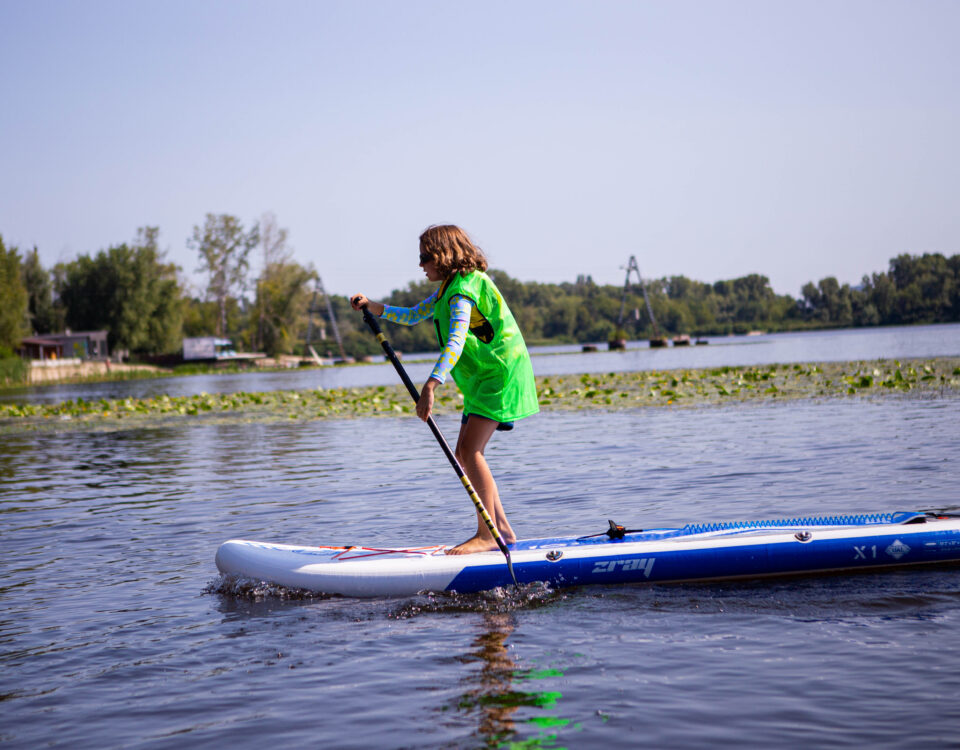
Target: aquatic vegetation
point(938, 377)
point(726, 384)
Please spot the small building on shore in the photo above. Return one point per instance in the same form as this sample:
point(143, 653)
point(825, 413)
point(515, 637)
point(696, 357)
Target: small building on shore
point(83, 345)
point(215, 349)
point(71, 355)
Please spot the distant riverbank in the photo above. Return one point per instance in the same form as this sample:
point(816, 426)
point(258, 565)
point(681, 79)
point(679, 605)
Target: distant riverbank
point(849, 345)
point(67, 370)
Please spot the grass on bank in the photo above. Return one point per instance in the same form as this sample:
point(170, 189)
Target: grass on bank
point(939, 377)
point(13, 371)
point(14, 374)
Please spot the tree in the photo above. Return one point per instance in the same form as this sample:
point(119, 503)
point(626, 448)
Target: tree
point(883, 295)
point(865, 312)
point(273, 242)
point(129, 291)
point(925, 287)
point(224, 248)
point(916, 289)
point(201, 316)
point(830, 303)
point(45, 317)
point(953, 263)
point(282, 301)
point(13, 310)
point(812, 302)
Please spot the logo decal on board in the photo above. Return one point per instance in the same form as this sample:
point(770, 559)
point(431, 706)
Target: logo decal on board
point(898, 549)
point(612, 566)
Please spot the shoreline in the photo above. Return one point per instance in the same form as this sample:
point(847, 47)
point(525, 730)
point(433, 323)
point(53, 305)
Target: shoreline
point(141, 371)
point(936, 377)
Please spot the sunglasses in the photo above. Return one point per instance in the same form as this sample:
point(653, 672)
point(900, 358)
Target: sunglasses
point(424, 258)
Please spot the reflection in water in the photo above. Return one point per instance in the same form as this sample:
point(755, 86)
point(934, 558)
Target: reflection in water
point(109, 541)
point(495, 696)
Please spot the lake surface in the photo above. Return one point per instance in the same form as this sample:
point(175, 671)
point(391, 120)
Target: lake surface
point(116, 631)
point(780, 348)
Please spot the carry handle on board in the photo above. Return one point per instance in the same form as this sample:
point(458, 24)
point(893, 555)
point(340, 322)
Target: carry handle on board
point(374, 326)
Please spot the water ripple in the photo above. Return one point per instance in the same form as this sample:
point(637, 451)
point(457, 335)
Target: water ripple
point(116, 631)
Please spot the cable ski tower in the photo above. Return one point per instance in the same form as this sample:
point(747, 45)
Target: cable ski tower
point(319, 290)
point(657, 340)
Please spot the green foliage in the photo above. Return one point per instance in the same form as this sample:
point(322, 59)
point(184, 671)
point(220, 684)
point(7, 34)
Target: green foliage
point(45, 316)
point(127, 290)
point(923, 289)
point(916, 289)
point(13, 370)
point(678, 388)
point(14, 307)
point(358, 343)
point(281, 305)
point(200, 317)
point(282, 298)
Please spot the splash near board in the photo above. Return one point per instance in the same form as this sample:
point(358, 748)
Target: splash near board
point(696, 552)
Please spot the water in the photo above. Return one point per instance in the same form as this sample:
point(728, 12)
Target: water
point(115, 630)
point(780, 348)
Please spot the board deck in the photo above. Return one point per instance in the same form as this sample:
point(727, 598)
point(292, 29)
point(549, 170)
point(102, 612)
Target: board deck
point(696, 552)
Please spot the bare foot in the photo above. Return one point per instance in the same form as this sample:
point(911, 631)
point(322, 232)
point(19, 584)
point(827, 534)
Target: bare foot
point(474, 544)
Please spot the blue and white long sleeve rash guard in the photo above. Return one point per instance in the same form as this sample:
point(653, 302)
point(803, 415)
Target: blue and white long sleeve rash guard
point(460, 308)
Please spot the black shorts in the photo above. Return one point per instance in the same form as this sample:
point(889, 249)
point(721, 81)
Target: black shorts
point(501, 426)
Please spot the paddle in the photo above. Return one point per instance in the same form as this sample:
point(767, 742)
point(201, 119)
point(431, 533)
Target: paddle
point(374, 325)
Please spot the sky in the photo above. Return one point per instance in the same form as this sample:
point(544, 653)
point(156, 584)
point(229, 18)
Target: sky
point(709, 138)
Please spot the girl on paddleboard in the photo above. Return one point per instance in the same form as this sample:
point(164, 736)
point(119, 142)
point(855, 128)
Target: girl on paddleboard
point(482, 349)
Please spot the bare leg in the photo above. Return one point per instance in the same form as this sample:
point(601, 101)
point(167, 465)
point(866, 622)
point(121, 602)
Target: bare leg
point(474, 436)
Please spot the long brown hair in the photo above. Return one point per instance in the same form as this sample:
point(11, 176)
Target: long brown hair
point(451, 250)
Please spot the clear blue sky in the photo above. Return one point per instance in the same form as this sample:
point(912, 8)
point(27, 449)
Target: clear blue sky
point(710, 139)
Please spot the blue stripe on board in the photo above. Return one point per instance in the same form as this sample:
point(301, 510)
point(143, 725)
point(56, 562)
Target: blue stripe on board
point(873, 519)
point(865, 520)
point(742, 560)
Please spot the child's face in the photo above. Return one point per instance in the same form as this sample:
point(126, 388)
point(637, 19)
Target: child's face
point(429, 268)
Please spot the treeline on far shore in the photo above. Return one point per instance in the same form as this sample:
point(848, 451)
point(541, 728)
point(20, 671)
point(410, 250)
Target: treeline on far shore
point(147, 307)
point(915, 289)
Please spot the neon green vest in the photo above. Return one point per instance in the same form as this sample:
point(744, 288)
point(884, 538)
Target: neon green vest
point(494, 372)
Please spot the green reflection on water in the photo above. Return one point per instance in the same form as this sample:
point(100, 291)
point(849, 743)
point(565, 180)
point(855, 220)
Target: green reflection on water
point(549, 721)
point(494, 696)
point(539, 674)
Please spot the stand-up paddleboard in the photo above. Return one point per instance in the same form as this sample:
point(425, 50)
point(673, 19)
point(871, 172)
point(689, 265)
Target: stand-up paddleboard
point(696, 552)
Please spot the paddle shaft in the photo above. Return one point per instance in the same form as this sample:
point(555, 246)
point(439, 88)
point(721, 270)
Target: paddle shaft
point(374, 326)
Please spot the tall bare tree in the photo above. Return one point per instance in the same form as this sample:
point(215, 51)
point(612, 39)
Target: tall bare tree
point(224, 248)
point(273, 243)
point(273, 240)
point(282, 291)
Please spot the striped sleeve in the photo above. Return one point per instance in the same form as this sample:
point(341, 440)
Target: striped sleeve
point(410, 316)
point(460, 308)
